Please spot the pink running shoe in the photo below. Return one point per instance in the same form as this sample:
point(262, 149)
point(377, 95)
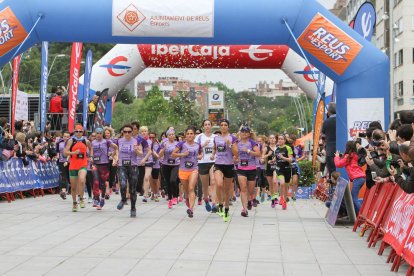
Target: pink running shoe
point(180, 199)
point(174, 201)
point(170, 204)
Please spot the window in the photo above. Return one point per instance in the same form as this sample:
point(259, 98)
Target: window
point(398, 26)
point(400, 89)
point(400, 101)
point(398, 58)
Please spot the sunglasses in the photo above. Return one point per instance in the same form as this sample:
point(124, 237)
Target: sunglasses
point(99, 133)
point(152, 137)
point(78, 131)
point(127, 131)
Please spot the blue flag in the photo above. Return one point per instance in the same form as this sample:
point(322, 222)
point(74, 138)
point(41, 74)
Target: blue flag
point(86, 87)
point(43, 84)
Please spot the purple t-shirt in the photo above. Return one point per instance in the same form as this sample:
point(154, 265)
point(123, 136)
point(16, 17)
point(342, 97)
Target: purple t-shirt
point(169, 148)
point(144, 143)
point(189, 162)
point(224, 155)
point(246, 160)
point(156, 148)
point(100, 151)
point(127, 155)
point(259, 164)
point(61, 147)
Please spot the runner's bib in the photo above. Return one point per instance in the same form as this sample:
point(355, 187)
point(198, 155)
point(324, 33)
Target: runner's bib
point(189, 164)
point(126, 163)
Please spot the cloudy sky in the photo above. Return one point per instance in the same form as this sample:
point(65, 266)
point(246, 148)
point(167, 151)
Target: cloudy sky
point(239, 80)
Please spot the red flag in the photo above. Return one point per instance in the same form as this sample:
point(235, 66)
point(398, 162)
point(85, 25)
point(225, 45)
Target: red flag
point(15, 84)
point(75, 62)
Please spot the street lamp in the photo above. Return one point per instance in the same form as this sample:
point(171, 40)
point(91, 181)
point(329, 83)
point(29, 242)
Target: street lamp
point(53, 62)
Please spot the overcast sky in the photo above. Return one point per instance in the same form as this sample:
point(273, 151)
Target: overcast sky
point(240, 79)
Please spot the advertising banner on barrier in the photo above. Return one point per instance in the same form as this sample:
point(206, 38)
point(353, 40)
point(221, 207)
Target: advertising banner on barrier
point(15, 84)
point(44, 74)
point(86, 87)
point(408, 251)
point(400, 221)
point(22, 106)
point(362, 112)
point(99, 119)
point(163, 18)
point(328, 43)
point(75, 62)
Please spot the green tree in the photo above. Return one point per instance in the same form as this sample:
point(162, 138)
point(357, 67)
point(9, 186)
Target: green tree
point(154, 107)
point(124, 96)
point(184, 110)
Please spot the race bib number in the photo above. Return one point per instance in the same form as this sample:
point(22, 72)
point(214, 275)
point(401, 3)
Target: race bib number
point(126, 163)
point(96, 158)
point(80, 156)
point(189, 164)
point(274, 167)
point(171, 161)
point(221, 148)
point(244, 163)
point(208, 150)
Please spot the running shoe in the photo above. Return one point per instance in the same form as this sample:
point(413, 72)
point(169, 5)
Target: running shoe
point(170, 204)
point(187, 202)
point(90, 200)
point(214, 208)
point(244, 213)
point(180, 199)
point(269, 197)
point(174, 201)
point(107, 196)
point(220, 211)
point(262, 197)
point(98, 207)
point(255, 202)
point(157, 199)
point(200, 201)
point(82, 203)
point(120, 205)
point(234, 199)
point(133, 213)
point(162, 194)
point(95, 203)
point(102, 203)
point(208, 206)
point(75, 207)
point(63, 195)
point(190, 213)
point(287, 199)
point(117, 192)
point(249, 205)
point(283, 201)
point(144, 199)
point(273, 204)
point(114, 189)
point(226, 217)
point(294, 198)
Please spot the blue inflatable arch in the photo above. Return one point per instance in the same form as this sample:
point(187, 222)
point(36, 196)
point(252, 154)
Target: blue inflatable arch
point(358, 68)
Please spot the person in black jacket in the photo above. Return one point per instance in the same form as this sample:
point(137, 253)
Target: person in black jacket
point(329, 130)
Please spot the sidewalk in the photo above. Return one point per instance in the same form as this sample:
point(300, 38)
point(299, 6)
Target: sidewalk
point(41, 236)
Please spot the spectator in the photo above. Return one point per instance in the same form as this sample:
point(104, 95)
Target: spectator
point(329, 130)
point(92, 109)
point(56, 109)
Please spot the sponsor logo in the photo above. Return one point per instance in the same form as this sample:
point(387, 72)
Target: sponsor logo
point(328, 43)
point(307, 73)
point(113, 65)
point(216, 97)
point(12, 32)
point(365, 20)
point(131, 17)
point(254, 50)
point(359, 127)
point(75, 75)
point(193, 50)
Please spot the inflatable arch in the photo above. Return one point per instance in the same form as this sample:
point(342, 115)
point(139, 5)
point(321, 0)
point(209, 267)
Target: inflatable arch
point(126, 61)
point(359, 70)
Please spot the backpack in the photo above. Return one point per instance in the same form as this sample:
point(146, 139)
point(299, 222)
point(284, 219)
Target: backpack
point(65, 101)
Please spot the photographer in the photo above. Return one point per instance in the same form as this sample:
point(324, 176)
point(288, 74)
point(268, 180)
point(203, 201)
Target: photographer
point(403, 172)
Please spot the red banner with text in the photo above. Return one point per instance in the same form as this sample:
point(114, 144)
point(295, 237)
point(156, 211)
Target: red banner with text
point(320, 114)
point(75, 62)
point(15, 85)
point(408, 251)
point(400, 222)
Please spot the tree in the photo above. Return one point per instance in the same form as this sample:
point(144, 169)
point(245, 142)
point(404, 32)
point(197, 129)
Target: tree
point(184, 109)
point(154, 107)
point(124, 96)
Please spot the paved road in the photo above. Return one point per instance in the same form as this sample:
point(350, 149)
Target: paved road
point(41, 236)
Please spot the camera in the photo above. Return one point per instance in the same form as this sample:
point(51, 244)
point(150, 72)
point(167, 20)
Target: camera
point(395, 164)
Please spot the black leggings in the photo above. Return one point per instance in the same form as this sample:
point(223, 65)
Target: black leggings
point(63, 176)
point(89, 182)
point(170, 175)
point(140, 181)
point(261, 178)
point(112, 175)
point(128, 175)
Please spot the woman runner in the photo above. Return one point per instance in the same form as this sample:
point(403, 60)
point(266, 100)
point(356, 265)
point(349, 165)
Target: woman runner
point(268, 154)
point(155, 173)
point(109, 135)
point(129, 149)
point(189, 153)
point(76, 150)
point(284, 156)
point(246, 169)
point(63, 164)
point(225, 152)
